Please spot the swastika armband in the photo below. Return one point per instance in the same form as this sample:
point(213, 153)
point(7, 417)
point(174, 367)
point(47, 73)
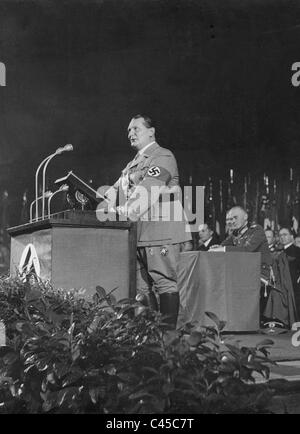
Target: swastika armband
point(159, 172)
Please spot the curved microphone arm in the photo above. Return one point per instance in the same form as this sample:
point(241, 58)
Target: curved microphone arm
point(35, 201)
point(59, 151)
point(37, 187)
point(62, 188)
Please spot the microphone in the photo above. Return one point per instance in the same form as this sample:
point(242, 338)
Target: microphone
point(58, 151)
point(64, 187)
point(66, 148)
point(35, 201)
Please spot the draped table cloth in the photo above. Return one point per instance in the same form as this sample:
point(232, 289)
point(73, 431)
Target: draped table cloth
point(227, 284)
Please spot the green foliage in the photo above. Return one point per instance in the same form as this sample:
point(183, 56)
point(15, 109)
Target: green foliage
point(67, 355)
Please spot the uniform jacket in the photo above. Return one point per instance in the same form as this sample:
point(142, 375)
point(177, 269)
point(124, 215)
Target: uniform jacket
point(155, 167)
point(252, 239)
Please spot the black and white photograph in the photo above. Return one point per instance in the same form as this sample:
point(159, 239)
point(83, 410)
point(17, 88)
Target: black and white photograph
point(149, 209)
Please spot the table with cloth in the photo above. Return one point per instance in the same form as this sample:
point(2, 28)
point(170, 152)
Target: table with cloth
point(227, 284)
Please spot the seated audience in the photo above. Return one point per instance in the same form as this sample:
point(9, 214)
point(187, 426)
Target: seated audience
point(292, 254)
point(207, 237)
point(252, 238)
point(271, 240)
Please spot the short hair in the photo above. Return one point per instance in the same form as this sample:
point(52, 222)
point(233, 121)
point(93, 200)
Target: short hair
point(209, 226)
point(287, 229)
point(270, 230)
point(148, 122)
point(238, 207)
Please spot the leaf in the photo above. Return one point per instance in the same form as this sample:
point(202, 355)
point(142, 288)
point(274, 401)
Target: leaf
point(234, 350)
point(42, 365)
point(222, 325)
point(61, 369)
point(95, 393)
point(72, 378)
point(10, 358)
point(140, 395)
point(264, 343)
point(75, 352)
point(33, 294)
point(100, 292)
point(4, 350)
point(214, 318)
point(150, 370)
point(168, 388)
point(66, 396)
point(195, 338)
point(111, 299)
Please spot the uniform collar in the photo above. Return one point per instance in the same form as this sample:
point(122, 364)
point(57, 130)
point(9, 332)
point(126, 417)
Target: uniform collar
point(241, 231)
point(147, 152)
point(143, 150)
point(288, 245)
point(149, 149)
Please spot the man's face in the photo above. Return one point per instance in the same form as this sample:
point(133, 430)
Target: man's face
point(204, 233)
point(285, 237)
point(236, 218)
point(270, 237)
point(139, 135)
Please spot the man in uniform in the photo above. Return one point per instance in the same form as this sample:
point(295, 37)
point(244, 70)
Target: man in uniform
point(147, 191)
point(244, 238)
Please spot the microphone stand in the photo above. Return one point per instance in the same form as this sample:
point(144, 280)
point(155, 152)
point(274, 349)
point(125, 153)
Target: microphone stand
point(59, 151)
point(45, 162)
point(62, 188)
point(36, 186)
point(47, 194)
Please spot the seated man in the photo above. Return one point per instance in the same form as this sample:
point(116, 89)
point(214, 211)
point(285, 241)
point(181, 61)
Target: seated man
point(207, 238)
point(271, 240)
point(245, 238)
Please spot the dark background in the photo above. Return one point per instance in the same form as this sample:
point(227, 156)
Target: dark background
point(215, 74)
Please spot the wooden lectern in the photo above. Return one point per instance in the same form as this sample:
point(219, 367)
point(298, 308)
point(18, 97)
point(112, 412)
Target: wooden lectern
point(72, 249)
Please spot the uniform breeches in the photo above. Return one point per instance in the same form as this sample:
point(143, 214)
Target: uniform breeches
point(157, 268)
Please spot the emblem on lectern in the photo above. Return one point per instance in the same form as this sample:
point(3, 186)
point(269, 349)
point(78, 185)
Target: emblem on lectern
point(29, 263)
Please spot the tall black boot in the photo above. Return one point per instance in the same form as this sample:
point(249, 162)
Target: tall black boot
point(169, 306)
point(148, 299)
